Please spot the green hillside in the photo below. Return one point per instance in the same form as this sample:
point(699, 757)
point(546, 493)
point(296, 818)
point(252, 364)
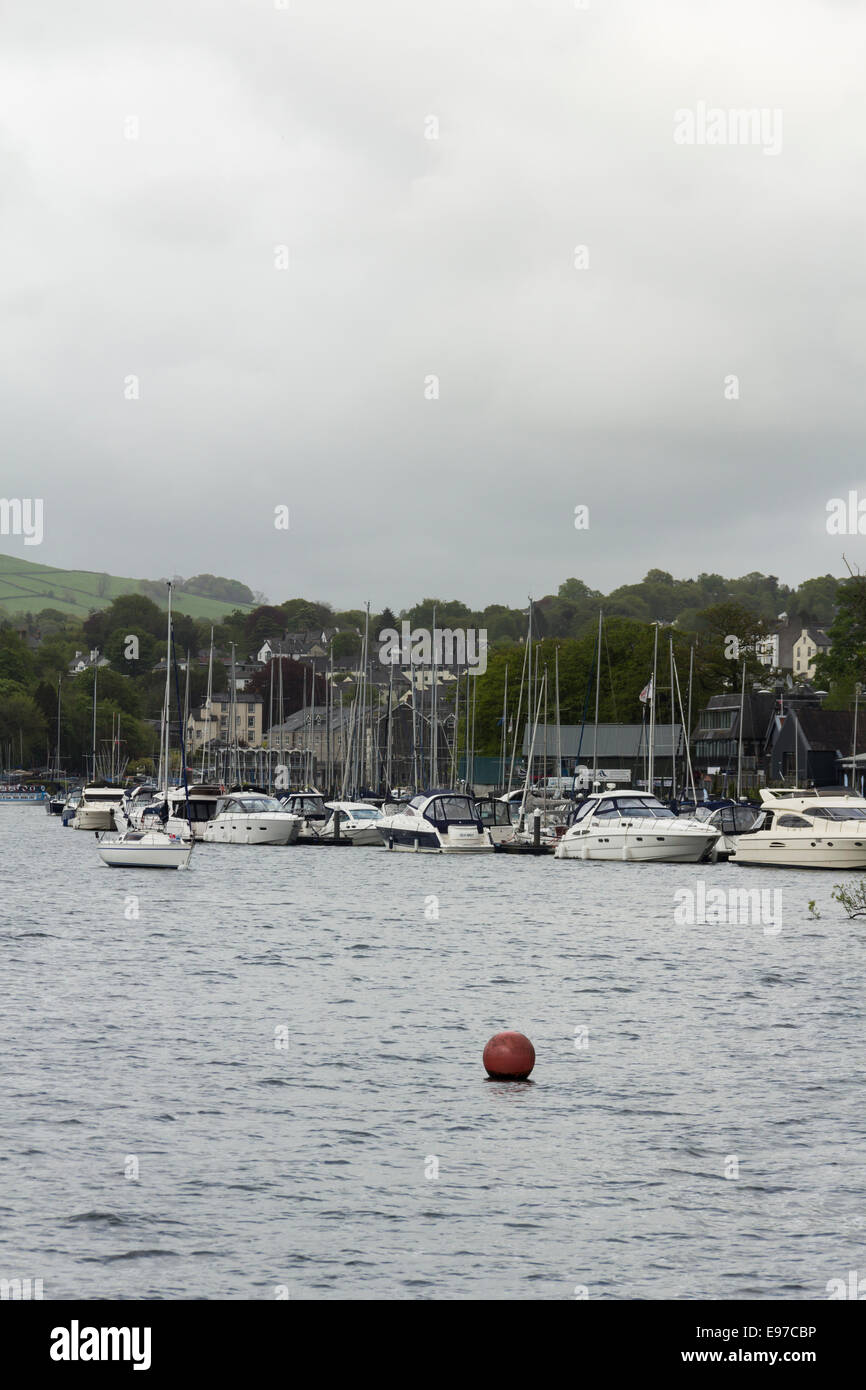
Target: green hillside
point(26, 587)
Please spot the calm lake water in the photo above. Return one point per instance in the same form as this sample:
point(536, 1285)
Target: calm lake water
point(152, 1044)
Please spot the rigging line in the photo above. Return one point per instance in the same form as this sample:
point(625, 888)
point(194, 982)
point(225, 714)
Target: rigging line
point(586, 697)
point(610, 674)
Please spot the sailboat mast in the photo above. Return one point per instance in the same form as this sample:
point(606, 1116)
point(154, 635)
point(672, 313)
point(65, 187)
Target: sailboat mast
point(434, 731)
point(673, 722)
point(740, 731)
point(270, 727)
point(690, 772)
point(558, 732)
point(59, 703)
point(313, 778)
point(166, 706)
point(95, 676)
point(597, 694)
point(523, 681)
point(504, 726)
point(329, 693)
point(415, 776)
point(688, 728)
point(207, 709)
point(233, 714)
point(652, 737)
point(389, 738)
point(281, 706)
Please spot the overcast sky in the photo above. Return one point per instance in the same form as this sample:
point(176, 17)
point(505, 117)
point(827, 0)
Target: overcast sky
point(307, 127)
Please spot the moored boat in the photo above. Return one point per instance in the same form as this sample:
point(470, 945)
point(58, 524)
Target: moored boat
point(145, 849)
point(245, 818)
point(627, 824)
point(358, 822)
point(197, 810)
point(440, 822)
point(97, 807)
point(804, 829)
point(310, 808)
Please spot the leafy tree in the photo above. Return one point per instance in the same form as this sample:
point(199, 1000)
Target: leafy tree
point(382, 622)
point(130, 613)
point(117, 690)
point(16, 659)
point(734, 620)
point(264, 624)
point(346, 647)
point(21, 723)
point(304, 616)
point(845, 663)
point(814, 603)
point(214, 586)
point(150, 651)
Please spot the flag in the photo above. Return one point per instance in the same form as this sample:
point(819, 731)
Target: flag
point(647, 692)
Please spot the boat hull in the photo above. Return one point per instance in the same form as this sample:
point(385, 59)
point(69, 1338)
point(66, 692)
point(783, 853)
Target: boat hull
point(658, 849)
point(153, 849)
point(252, 830)
point(94, 818)
point(177, 825)
point(167, 856)
point(431, 841)
point(363, 835)
point(787, 855)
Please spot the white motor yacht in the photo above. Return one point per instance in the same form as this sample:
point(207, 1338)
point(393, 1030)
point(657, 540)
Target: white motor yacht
point(203, 802)
point(141, 796)
point(310, 808)
point(97, 807)
point(358, 822)
point(733, 821)
point(805, 829)
point(628, 824)
point(441, 822)
point(499, 818)
point(250, 818)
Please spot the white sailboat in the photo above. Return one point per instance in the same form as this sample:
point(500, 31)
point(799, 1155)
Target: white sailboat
point(152, 845)
point(145, 849)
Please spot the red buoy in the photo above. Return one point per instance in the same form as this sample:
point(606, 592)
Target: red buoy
point(509, 1057)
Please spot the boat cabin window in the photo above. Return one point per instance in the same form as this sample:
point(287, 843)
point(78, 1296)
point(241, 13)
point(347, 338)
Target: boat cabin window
point(251, 805)
point(365, 813)
point(642, 806)
point(798, 822)
point(735, 820)
point(582, 810)
point(452, 810)
point(839, 812)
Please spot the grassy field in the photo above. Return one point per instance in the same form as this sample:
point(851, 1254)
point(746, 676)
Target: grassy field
point(26, 588)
